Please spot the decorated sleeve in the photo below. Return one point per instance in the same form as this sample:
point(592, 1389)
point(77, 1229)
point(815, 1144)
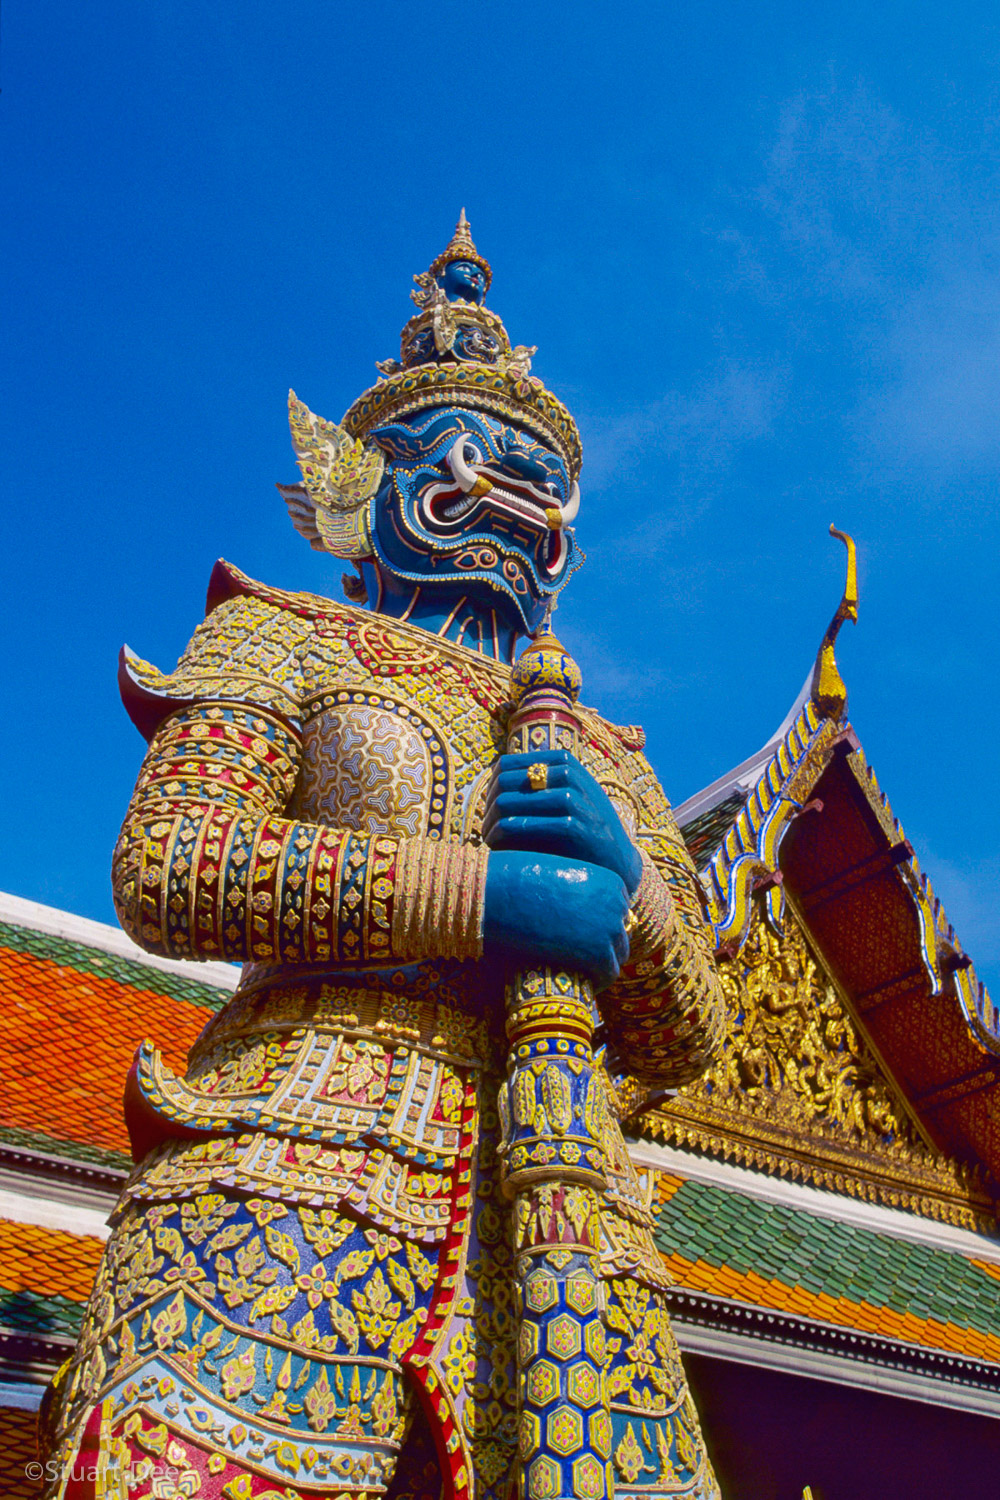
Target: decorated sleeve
point(665, 1014)
point(209, 866)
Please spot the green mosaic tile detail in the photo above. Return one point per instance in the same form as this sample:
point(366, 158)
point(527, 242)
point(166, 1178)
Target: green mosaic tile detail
point(27, 1313)
point(35, 1140)
point(109, 966)
point(796, 1248)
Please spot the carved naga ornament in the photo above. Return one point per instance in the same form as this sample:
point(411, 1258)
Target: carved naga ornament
point(383, 1235)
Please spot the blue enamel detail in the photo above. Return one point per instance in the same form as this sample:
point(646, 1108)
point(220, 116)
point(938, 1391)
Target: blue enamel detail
point(542, 909)
point(463, 281)
point(480, 568)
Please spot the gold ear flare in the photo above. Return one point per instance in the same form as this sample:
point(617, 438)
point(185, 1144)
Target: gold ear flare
point(341, 474)
point(829, 692)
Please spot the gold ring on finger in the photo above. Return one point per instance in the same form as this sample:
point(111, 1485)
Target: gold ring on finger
point(538, 776)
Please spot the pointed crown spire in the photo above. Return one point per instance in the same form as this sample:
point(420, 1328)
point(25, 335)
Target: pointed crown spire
point(458, 352)
point(462, 248)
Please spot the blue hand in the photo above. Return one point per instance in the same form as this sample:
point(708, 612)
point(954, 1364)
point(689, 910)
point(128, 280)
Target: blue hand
point(572, 817)
point(543, 910)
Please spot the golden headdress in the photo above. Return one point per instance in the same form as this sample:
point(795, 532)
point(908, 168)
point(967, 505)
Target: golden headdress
point(462, 248)
point(459, 353)
point(453, 353)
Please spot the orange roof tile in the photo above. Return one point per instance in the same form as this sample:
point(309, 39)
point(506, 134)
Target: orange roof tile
point(666, 1186)
point(18, 1447)
point(751, 1288)
point(69, 1039)
point(48, 1262)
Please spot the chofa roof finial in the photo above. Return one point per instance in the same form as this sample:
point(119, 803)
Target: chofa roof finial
point(828, 690)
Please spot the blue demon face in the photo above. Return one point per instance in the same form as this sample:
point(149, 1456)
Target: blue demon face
point(472, 503)
point(463, 279)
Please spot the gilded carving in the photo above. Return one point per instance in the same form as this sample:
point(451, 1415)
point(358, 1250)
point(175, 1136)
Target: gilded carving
point(798, 1089)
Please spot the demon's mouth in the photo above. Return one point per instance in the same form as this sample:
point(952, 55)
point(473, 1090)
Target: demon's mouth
point(448, 504)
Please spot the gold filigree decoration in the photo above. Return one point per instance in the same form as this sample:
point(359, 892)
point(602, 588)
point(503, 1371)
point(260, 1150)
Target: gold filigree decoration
point(798, 1091)
point(340, 475)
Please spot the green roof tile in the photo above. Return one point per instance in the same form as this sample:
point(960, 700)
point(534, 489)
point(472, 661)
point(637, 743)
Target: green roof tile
point(796, 1248)
point(35, 1140)
point(26, 1312)
point(95, 961)
point(704, 834)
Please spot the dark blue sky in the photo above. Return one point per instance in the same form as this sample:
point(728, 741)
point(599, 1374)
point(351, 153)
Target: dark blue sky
point(757, 246)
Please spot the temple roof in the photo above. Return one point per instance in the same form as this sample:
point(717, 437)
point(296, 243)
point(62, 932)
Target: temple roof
point(18, 1448)
point(826, 1197)
point(898, 1306)
point(45, 1278)
point(62, 1095)
point(705, 817)
point(79, 997)
point(805, 818)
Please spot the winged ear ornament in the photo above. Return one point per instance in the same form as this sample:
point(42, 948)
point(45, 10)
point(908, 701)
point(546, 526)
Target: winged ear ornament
point(340, 475)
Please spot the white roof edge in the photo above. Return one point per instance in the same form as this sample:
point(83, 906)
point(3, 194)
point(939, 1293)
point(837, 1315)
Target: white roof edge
point(802, 698)
point(746, 775)
point(34, 1207)
point(740, 778)
point(20, 912)
point(839, 1369)
point(23, 1394)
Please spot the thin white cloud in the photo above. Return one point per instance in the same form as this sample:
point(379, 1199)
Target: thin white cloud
point(861, 210)
point(939, 407)
point(736, 403)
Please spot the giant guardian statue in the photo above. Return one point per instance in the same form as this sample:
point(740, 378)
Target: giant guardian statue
point(384, 1236)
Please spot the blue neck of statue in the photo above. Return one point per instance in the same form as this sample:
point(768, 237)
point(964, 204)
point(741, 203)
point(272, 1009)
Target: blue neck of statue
point(452, 614)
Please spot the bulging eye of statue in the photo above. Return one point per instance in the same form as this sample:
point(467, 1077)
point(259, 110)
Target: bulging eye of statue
point(515, 494)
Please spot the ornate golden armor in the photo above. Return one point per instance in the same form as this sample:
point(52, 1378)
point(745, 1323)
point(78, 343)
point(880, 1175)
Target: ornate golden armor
point(311, 1270)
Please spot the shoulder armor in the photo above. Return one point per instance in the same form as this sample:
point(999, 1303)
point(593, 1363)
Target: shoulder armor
point(247, 650)
point(228, 582)
point(610, 737)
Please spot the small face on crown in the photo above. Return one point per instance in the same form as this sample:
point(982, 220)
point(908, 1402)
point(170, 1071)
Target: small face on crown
point(473, 499)
point(463, 280)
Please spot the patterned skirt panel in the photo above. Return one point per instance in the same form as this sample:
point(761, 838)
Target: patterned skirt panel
point(314, 1273)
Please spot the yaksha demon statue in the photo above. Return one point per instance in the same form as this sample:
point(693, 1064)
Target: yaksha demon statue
point(384, 1234)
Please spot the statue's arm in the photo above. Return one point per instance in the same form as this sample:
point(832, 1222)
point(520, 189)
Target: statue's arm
point(209, 865)
point(665, 1014)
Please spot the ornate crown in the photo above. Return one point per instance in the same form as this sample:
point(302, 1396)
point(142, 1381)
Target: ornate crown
point(458, 351)
point(462, 248)
point(452, 352)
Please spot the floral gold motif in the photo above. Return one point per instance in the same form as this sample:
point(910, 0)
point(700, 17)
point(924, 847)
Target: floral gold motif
point(798, 1088)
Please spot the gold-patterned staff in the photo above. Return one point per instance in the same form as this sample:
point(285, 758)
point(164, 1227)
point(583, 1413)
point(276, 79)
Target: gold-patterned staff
point(552, 1113)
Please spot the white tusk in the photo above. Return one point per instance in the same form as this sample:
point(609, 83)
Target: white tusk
point(469, 482)
point(572, 505)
